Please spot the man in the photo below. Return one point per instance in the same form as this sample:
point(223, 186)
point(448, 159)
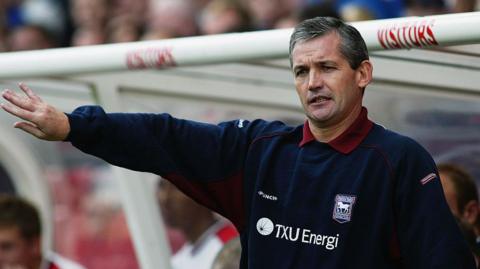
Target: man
point(470, 237)
point(30, 37)
point(462, 197)
point(20, 238)
point(461, 193)
point(205, 234)
point(336, 192)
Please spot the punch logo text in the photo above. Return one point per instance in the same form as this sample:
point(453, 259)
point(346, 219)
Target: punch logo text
point(267, 196)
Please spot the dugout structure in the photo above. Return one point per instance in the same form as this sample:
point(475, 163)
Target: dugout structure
point(426, 77)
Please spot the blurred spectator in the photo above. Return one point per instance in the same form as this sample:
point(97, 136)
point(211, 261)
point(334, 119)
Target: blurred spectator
point(3, 35)
point(123, 29)
point(155, 35)
point(136, 10)
point(429, 7)
point(45, 13)
point(205, 234)
point(65, 38)
point(293, 5)
point(171, 18)
point(223, 16)
point(88, 36)
point(200, 4)
point(101, 21)
point(325, 9)
point(354, 12)
point(89, 13)
point(425, 7)
point(3, 41)
point(11, 13)
point(461, 194)
point(4, 25)
point(229, 255)
point(30, 37)
point(21, 238)
point(457, 6)
point(358, 10)
point(266, 13)
point(287, 22)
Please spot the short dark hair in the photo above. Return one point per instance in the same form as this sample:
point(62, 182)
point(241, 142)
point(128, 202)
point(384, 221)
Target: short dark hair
point(463, 184)
point(352, 45)
point(17, 212)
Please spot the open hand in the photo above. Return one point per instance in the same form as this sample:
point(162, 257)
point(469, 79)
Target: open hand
point(40, 119)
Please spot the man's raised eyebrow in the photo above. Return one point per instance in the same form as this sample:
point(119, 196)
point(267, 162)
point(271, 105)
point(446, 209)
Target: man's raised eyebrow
point(327, 62)
point(321, 62)
point(299, 66)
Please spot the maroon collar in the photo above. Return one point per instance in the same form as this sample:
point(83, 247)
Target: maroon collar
point(348, 140)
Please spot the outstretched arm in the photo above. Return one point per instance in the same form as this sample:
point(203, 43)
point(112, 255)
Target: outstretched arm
point(40, 119)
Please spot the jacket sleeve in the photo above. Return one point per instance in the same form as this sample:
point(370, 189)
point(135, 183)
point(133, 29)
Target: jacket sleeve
point(428, 234)
point(204, 160)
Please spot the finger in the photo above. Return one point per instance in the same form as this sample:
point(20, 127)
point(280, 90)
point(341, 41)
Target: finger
point(17, 111)
point(29, 128)
point(17, 100)
point(29, 92)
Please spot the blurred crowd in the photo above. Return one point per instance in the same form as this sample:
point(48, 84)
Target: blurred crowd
point(39, 24)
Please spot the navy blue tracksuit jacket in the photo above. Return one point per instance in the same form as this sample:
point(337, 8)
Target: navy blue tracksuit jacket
point(368, 199)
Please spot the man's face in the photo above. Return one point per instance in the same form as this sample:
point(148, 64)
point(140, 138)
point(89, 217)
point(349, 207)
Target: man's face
point(450, 194)
point(328, 87)
point(17, 252)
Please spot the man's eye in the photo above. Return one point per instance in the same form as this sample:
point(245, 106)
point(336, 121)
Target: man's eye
point(328, 68)
point(300, 72)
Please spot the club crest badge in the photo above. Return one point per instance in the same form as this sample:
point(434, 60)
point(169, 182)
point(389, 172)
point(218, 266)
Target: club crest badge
point(342, 211)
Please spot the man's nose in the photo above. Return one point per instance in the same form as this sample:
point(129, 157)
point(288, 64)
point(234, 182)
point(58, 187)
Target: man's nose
point(315, 80)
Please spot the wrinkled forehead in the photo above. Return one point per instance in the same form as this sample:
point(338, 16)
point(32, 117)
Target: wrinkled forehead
point(328, 44)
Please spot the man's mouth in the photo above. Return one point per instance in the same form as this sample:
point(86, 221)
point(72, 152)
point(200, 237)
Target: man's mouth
point(318, 99)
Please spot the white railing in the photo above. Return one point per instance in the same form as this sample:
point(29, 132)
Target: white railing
point(410, 32)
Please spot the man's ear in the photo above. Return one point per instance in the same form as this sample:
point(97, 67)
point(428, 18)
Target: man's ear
point(471, 212)
point(364, 74)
